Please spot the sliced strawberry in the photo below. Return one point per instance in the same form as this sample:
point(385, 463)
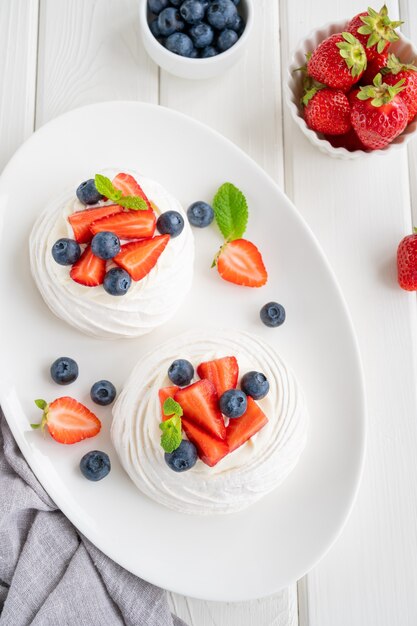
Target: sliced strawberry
point(210, 449)
point(241, 262)
point(139, 257)
point(243, 428)
point(164, 393)
point(82, 220)
point(199, 403)
point(127, 225)
point(89, 270)
point(69, 421)
point(129, 187)
point(223, 373)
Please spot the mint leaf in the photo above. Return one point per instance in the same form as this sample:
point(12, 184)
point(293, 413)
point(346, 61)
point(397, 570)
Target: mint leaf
point(171, 433)
point(231, 211)
point(171, 407)
point(41, 404)
point(106, 188)
point(133, 202)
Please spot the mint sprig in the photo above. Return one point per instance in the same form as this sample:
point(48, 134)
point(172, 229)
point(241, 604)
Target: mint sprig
point(171, 433)
point(106, 188)
point(231, 211)
point(171, 429)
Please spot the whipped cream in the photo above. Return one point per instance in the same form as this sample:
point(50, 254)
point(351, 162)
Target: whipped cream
point(243, 476)
point(91, 309)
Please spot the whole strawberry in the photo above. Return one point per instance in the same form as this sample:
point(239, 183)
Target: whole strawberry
point(350, 141)
point(379, 114)
point(408, 73)
point(375, 65)
point(338, 62)
point(374, 30)
point(407, 262)
point(327, 111)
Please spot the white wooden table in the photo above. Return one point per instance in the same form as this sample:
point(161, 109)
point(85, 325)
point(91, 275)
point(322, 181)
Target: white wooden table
point(59, 54)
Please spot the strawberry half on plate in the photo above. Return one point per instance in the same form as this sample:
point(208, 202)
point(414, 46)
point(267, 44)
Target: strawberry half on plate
point(67, 420)
point(240, 262)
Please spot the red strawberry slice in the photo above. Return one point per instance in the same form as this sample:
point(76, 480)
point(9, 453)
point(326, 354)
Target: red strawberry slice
point(164, 393)
point(223, 373)
point(129, 187)
point(82, 220)
point(241, 262)
point(89, 270)
point(139, 257)
point(127, 225)
point(199, 403)
point(69, 421)
point(243, 428)
point(210, 449)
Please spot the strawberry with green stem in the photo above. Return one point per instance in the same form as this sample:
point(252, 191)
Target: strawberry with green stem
point(67, 420)
point(375, 30)
point(326, 110)
point(238, 260)
point(338, 62)
point(379, 114)
point(395, 71)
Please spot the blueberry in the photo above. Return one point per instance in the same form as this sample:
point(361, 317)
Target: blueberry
point(169, 21)
point(200, 214)
point(156, 6)
point(272, 314)
point(117, 282)
point(202, 34)
point(64, 370)
point(105, 245)
point(103, 392)
point(221, 13)
point(255, 384)
point(183, 458)
point(179, 43)
point(194, 54)
point(181, 372)
point(176, 3)
point(238, 25)
point(208, 52)
point(66, 251)
point(192, 11)
point(87, 192)
point(95, 465)
point(170, 223)
point(154, 28)
point(226, 39)
point(233, 403)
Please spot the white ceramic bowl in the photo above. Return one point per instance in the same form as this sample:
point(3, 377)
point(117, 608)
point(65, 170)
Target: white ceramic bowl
point(403, 48)
point(195, 68)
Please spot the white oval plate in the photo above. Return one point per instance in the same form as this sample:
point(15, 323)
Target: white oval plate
point(276, 541)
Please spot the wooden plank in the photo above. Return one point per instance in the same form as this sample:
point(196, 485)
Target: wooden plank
point(244, 105)
point(91, 51)
point(408, 13)
point(18, 51)
point(277, 610)
point(360, 211)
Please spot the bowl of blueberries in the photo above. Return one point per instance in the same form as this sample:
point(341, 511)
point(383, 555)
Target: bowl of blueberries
point(196, 38)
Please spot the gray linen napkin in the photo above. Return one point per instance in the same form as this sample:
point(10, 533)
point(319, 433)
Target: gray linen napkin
point(49, 573)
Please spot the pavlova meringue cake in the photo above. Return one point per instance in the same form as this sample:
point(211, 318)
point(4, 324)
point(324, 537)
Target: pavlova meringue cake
point(210, 422)
point(120, 287)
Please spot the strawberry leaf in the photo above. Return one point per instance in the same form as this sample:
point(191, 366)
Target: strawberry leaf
point(171, 433)
point(231, 211)
point(41, 404)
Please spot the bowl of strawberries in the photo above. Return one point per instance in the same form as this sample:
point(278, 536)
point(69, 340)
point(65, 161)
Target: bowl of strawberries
point(352, 86)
